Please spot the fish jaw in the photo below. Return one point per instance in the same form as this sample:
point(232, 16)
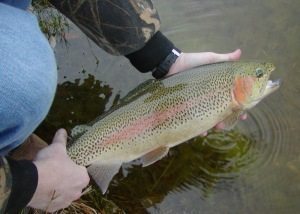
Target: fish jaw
point(271, 87)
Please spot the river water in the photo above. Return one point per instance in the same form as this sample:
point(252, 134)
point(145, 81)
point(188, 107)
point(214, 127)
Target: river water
point(253, 169)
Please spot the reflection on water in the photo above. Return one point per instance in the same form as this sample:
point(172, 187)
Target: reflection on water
point(256, 168)
point(75, 103)
point(207, 164)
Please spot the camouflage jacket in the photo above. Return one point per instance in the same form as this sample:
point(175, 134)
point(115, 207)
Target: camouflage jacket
point(120, 27)
point(5, 184)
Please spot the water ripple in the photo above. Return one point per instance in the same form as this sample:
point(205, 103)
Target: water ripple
point(269, 127)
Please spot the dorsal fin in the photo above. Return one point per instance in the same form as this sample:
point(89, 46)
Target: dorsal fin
point(130, 97)
point(138, 91)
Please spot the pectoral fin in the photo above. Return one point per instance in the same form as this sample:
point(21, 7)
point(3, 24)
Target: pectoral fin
point(232, 120)
point(103, 173)
point(154, 156)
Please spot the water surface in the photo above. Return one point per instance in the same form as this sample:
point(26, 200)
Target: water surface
point(253, 169)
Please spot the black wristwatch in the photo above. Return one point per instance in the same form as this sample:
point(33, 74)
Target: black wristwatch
point(163, 68)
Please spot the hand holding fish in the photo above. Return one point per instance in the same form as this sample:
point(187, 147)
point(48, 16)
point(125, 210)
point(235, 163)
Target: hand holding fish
point(60, 180)
point(188, 61)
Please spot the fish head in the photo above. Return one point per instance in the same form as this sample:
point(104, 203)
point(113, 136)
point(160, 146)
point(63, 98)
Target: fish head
point(252, 83)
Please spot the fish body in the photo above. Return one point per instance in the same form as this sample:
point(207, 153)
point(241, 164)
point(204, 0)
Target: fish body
point(161, 114)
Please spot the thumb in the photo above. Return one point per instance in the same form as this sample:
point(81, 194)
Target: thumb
point(57, 147)
point(60, 137)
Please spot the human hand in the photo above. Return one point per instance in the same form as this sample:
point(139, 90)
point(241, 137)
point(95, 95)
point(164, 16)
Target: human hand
point(190, 60)
point(60, 180)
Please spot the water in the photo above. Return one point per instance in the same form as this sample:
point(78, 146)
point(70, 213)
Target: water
point(255, 168)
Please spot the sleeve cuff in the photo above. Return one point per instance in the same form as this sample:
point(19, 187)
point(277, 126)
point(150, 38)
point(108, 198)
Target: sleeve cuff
point(24, 182)
point(154, 52)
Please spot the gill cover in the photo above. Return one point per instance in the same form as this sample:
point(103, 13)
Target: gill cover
point(252, 84)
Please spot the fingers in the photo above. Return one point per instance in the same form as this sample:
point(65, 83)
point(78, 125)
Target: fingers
point(243, 117)
point(215, 57)
point(221, 125)
point(60, 137)
point(190, 60)
point(85, 179)
point(56, 204)
point(60, 140)
point(211, 57)
point(203, 134)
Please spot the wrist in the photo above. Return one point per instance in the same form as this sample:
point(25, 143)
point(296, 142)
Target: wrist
point(152, 54)
point(163, 68)
point(178, 65)
point(24, 184)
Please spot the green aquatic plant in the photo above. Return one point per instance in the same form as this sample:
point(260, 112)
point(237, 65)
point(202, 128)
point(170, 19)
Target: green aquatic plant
point(52, 23)
point(75, 103)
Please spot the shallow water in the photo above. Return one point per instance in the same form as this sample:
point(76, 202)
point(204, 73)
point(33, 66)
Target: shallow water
point(253, 169)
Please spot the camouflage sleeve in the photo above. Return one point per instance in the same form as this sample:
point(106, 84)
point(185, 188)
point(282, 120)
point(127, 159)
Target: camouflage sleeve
point(120, 27)
point(5, 184)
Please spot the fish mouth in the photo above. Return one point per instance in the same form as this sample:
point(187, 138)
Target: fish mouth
point(271, 87)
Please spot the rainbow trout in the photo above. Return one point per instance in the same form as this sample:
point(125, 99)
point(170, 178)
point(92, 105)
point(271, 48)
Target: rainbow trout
point(160, 114)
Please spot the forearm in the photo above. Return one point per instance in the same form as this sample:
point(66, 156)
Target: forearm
point(119, 27)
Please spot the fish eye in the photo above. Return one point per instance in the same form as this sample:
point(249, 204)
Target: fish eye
point(259, 72)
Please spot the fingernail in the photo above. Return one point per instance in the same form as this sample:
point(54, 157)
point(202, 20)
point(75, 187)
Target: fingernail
point(243, 116)
point(203, 134)
point(62, 132)
point(220, 126)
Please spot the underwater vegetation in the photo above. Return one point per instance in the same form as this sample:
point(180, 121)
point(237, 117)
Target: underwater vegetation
point(75, 103)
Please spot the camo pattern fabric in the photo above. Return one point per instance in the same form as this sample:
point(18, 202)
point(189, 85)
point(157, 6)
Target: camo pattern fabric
point(5, 184)
point(119, 27)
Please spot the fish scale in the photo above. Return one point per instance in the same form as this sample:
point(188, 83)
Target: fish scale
point(164, 113)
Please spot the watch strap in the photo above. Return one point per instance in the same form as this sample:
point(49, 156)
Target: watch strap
point(163, 68)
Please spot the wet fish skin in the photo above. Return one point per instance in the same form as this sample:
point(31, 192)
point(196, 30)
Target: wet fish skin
point(161, 114)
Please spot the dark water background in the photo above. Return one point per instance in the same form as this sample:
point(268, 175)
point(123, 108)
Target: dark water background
point(253, 169)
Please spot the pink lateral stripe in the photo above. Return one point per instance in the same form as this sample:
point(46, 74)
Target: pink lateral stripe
point(141, 125)
point(155, 119)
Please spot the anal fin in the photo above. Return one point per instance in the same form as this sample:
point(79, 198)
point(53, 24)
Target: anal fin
point(154, 156)
point(103, 173)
